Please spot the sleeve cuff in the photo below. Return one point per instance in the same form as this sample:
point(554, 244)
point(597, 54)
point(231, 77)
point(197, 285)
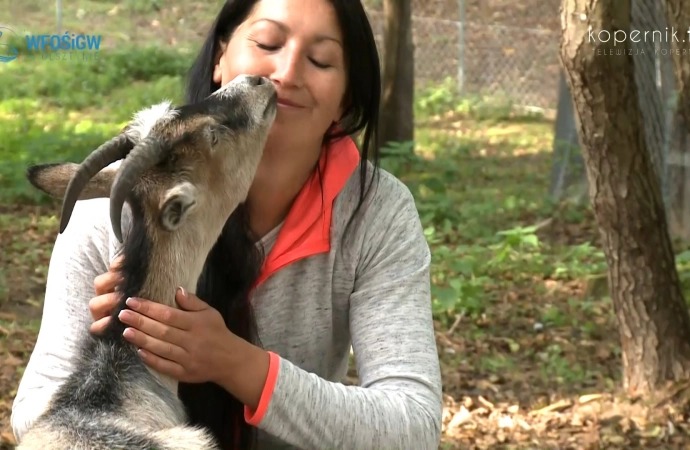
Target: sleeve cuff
point(255, 417)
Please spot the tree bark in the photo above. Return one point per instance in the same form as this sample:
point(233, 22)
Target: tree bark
point(626, 198)
point(397, 108)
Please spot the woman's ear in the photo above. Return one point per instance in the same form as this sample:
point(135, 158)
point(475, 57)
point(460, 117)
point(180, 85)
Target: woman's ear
point(220, 62)
point(218, 73)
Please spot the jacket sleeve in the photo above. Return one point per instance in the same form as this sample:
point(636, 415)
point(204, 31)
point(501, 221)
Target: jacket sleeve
point(398, 404)
point(80, 254)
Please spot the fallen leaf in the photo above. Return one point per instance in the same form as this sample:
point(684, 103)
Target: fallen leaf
point(462, 416)
point(558, 406)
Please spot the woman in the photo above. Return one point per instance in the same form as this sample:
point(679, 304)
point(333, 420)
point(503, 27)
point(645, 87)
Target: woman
point(328, 255)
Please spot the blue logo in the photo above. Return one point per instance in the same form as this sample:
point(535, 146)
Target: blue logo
point(51, 46)
point(65, 42)
point(8, 52)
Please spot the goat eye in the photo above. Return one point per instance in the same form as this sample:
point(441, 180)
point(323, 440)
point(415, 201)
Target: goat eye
point(214, 136)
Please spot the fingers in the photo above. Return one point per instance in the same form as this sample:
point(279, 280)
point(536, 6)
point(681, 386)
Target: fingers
point(99, 326)
point(102, 305)
point(150, 344)
point(161, 365)
point(188, 301)
point(106, 282)
point(148, 327)
point(117, 262)
point(160, 313)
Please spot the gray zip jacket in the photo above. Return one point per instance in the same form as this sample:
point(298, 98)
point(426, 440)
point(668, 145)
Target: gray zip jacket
point(321, 292)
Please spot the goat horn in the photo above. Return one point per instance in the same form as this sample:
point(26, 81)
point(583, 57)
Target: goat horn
point(114, 149)
point(143, 156)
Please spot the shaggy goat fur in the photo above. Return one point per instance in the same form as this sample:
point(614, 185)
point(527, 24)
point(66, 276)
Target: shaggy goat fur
point(184, 172)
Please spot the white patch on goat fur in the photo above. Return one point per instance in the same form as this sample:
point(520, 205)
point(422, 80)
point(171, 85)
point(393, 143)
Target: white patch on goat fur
point(113, 165)
point(142, 123)
point(144, 120)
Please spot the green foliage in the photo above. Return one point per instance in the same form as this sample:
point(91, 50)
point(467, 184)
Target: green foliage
point(143, 6)
point(27, 138)
point(62, 110)
point(480, 242)
point(683, 266)
point(465, 276)
point(445, 99)
point(81, 83)
point(437, 99)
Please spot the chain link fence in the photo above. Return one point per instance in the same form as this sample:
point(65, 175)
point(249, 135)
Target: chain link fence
point(494, 48)
point(509, 50)
point(667, 138)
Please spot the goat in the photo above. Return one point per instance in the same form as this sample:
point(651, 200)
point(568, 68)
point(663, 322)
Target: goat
point(183, 171)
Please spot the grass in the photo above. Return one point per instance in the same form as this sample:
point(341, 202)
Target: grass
point(524, 325)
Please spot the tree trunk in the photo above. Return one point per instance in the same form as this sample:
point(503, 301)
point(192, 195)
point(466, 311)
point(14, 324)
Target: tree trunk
point(626, 197)
point(397, 113)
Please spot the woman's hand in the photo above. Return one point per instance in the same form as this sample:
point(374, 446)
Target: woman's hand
point(191, 344)
point(102, 305)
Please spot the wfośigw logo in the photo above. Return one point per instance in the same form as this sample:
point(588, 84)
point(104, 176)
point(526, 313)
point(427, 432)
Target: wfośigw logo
point(8, 52)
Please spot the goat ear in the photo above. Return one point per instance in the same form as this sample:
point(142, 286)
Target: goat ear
point(53, 178)
point(177, 203)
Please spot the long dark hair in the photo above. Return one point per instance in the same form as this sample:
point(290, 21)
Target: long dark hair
point(235, 262)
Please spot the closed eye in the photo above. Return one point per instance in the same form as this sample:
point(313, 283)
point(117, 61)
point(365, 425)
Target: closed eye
point(319, 65)
point(214, 134)
point(273, 48)
point(267, 47)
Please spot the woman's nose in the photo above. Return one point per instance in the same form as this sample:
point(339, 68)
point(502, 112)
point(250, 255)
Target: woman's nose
point(289, 69)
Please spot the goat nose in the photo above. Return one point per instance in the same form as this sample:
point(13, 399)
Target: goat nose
point(256, 80)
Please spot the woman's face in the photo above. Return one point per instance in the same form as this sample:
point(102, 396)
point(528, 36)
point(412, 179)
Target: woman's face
point(298, 45)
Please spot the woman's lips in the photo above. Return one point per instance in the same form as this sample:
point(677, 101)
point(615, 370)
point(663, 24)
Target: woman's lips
point(288, 103)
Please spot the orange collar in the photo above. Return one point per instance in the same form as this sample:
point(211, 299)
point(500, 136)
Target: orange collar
point(306, 230)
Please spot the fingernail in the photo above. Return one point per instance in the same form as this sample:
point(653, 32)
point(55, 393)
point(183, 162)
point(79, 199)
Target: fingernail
point(132, 303)
point(182, 292)
point(128, 333)
point(142, 353)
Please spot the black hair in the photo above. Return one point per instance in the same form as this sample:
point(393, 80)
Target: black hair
point(234, 263)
